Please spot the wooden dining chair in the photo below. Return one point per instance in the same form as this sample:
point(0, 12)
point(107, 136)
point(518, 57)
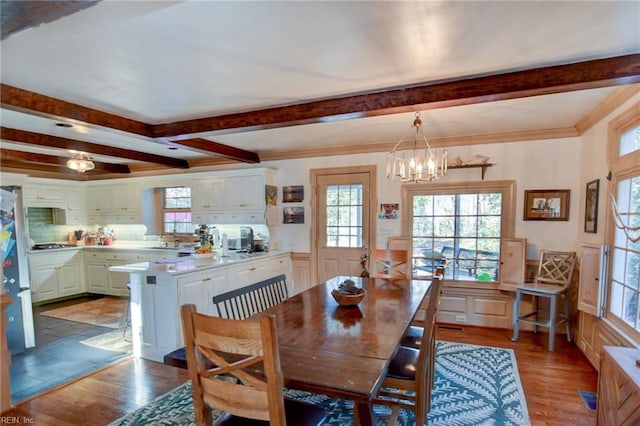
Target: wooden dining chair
point(410, 377)
point(246, 380)
point(390, 264)
point(553, 279)
point(413, 335)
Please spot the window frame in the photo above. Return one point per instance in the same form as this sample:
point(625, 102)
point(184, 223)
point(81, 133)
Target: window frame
point(508, 214)
point(621, 167)
point(160, 194)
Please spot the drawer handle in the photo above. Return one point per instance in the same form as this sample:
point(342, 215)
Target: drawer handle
point(206, 279)
point(252, 269)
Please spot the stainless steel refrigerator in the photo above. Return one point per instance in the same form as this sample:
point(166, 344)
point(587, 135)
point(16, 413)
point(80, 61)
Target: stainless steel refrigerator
point(15, 271)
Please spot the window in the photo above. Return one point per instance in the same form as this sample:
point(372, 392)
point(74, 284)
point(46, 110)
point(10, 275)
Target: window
point(624, 288)
point(176, 210)
point(344, 215)
point(463, 224)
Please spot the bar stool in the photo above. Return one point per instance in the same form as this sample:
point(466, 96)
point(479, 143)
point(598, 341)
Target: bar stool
point(127, 315)
point(553, 279)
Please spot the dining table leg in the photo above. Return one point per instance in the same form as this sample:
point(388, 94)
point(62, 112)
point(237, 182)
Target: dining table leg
point(363, 414)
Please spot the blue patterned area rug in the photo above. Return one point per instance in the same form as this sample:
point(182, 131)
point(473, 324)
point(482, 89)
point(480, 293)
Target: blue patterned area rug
point(474, 385)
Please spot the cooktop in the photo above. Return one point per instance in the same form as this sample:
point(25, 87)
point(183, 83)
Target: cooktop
point(46, 246)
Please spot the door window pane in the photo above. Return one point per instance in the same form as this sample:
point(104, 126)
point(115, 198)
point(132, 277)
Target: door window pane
point(344, 215)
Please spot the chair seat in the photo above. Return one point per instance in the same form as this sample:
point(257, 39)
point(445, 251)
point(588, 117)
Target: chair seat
point(541, 289)
point(403, 365)
point(412, 337)
point(298, 413)
point(177, 358)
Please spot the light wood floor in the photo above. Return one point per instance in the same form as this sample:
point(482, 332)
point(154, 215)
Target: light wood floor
point(550, 382)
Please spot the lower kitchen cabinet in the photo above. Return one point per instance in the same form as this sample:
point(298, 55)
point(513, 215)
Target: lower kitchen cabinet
point(99, 260)
point(56, 274)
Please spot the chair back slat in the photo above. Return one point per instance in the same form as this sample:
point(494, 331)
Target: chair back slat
point(556, 267)
point(249, 300)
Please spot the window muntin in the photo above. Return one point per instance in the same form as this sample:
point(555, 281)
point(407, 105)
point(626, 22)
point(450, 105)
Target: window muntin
point(344, 215)
point(630, 141)
point(464, 227)
point(623, 286)
point(625, 270)
point(176, 210)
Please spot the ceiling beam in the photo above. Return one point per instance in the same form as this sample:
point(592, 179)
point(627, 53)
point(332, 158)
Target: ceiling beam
point(23, 136)
point(30, 157)
point(216, 148)
point(592, 74)
point(43, 170)
point(33, 103)
point(20, 15)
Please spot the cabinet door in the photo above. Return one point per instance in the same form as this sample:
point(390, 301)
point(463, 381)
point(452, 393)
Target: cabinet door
point(118, 280)
point(97, 277)
point(513, 260)
point(193, 289)
point(589, 289)
point(76, 211)
point(45, 280)
point(245, 193)
point(43, 195)
point(99, 200)
point(69, 279)
point(208, 195)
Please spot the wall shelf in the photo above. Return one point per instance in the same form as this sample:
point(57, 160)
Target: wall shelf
point(473, 166)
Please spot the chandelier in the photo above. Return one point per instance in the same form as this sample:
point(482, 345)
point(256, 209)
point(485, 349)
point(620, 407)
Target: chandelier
point(80, 162)
point(415, 161)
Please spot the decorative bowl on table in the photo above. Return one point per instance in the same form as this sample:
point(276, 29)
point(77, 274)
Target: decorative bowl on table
point(347, 294)
point(348, 299)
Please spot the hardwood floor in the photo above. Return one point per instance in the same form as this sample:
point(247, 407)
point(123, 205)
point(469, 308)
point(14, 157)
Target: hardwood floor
point(550, 381)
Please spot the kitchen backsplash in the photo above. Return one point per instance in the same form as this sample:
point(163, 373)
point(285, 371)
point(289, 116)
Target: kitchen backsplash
point(43, 230)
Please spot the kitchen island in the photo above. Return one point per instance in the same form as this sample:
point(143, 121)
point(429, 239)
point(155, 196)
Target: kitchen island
point(159, 288)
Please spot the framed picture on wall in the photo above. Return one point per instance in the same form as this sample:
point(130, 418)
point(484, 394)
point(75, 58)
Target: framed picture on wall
point(292, 194)
point(591, 207)
point(293, 215)
point(546, 204)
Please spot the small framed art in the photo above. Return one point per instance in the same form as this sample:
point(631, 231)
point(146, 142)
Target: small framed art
point(546, 204)
point(591, 207)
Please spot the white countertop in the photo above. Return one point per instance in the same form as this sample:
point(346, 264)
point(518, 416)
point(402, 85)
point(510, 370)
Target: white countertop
point(183, 265)
point(129, 245)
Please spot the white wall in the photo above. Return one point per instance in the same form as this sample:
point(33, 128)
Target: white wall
point(593, 160)
point(545, 164)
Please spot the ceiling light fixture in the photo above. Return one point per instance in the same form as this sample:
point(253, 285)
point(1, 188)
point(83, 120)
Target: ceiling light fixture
point(80, 162)
point(417, 161)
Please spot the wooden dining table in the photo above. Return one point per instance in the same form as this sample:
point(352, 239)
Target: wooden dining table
point(341, 351)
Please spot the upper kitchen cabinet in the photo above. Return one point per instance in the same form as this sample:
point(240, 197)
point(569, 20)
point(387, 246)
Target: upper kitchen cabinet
point(230, 199)
point(114, 204)
point(76, 210)
point(40, 194)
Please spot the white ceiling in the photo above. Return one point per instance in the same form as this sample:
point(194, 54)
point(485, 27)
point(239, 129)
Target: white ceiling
point(163, 61)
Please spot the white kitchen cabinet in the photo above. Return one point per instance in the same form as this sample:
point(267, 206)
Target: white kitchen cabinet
point(156, 322)
point(36, 194)
point(99, 260)
point(75, 210)
point(245, 193)
point(56, 274)
point(114, 204)
point(200, 287)
point(228, 200)
point(98, 201)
